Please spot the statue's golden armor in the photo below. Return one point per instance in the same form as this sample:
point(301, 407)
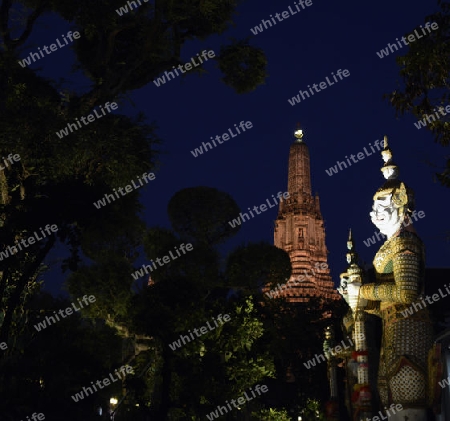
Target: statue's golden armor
point(407, 335)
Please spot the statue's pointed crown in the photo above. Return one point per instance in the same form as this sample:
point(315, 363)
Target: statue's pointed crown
point(352, 256)
point(402, 196)
point(389, 169)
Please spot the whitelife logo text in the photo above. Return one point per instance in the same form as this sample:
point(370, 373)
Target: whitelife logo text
point(411, 38)
point(183, 68)
point(27, 61)
point(105, 382)
point(318, 87)
point(284, 15)
point(243, 125)
point(124, 9)
point(419, 305)
point(90, 118)
point(240, 401)
point(128, 189)
point(64, 313)
point(334, 170)
point(166, 259)
point(203, 330)
point(433, 118)
point(279, 289)
point(11, 158)
point(333, 351)
point(35, 417)
point(405, 223)
point(398, 408)
point(26, 242)
point(262, 208)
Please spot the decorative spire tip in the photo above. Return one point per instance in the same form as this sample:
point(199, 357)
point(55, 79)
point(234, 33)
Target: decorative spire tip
point(298, 133)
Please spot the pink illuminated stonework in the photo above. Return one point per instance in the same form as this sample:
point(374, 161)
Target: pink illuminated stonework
point(299, 230)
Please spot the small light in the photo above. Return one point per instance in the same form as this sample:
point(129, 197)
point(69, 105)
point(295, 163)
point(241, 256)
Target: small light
point(298, 133)
point(113, 401)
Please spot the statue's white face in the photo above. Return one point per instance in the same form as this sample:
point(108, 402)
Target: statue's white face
point(385, 216)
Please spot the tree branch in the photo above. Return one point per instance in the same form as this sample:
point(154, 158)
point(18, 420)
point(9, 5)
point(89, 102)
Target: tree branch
point(4, 17)
point(29, 27)
point(14, 300)
point(3, 283)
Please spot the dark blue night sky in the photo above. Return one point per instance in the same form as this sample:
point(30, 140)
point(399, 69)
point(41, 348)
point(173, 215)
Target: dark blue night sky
point(340, 120)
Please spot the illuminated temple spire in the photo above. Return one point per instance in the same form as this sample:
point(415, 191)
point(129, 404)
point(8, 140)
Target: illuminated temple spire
point(299, 230)
point(299, 179)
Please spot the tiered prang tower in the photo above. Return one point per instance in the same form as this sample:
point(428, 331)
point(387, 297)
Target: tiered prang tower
point(300, 231)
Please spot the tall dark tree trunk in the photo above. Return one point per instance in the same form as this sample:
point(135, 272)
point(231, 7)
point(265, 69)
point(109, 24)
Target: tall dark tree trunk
point(167, 368)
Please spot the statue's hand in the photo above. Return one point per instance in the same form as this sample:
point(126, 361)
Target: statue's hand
point(362, 302)
point(355, 278)
point(353, 295)
point(342, 289)
point(353, 289)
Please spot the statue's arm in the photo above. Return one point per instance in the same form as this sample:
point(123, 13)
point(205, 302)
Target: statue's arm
point(407, 273)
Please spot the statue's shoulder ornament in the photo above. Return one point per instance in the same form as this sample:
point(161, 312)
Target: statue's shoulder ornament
point(407, 241)
point(404, 242)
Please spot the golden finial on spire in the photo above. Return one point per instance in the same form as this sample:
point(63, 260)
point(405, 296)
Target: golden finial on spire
point(386, 153)
point(350, 240)
point(299, 132)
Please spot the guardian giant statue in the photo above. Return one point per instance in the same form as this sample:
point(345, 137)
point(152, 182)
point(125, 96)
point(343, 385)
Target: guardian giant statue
point(399, 266)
